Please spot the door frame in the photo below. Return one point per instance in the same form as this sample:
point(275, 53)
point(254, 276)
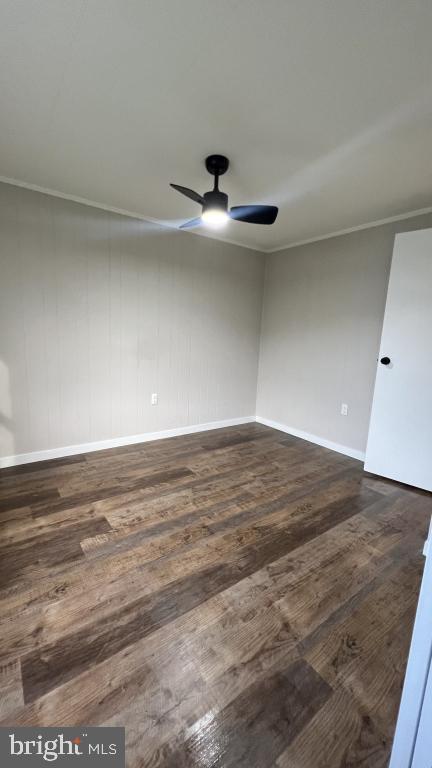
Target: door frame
point(419, 664)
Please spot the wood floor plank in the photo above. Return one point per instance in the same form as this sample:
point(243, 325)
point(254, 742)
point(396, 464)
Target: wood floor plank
point(366, 653)
point(11, 693)
point(15, 501)
point(235, 597)
point(28, 527)
point(31, 557)
point(254, 728)
point(67, 500)
point(337, 737)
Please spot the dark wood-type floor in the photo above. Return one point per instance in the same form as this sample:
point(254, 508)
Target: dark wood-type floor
point(235, 598)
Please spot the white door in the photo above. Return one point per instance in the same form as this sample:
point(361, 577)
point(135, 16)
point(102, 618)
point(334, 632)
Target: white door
point(416, 680)
point(400, 433)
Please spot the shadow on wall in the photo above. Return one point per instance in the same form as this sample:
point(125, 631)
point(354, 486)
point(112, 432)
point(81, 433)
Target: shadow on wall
point(7, 441)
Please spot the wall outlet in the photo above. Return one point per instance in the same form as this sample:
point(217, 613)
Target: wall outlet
point(344, 409)
point(154, 398)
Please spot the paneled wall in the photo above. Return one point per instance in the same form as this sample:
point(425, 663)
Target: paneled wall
point(99, 311)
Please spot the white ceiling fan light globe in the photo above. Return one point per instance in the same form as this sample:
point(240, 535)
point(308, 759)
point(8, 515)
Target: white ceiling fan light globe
point(214, 217)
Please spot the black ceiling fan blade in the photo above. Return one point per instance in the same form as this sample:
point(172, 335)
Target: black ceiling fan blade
point(189, 193)
point(191, 223)
point(254, 214)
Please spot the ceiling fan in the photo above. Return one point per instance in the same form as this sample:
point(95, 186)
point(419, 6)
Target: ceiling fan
point(215, 203)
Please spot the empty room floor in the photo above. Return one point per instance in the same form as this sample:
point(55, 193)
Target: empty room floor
point(234, 598)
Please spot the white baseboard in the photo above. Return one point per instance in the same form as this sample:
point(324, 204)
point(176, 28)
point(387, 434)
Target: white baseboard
point(72, 450)
point(352, 452)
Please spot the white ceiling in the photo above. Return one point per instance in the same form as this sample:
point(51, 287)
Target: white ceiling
point(324, 107)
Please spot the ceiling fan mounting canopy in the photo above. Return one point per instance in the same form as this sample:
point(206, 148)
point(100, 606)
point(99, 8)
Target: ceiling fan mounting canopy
point(217, 165)
point(215, 203)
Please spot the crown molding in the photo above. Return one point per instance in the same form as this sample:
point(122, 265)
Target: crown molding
point(358, 228)
point(173, 228)
point(120, 211)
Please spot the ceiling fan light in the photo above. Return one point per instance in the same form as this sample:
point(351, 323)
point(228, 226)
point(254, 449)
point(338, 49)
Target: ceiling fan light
point(214, 217)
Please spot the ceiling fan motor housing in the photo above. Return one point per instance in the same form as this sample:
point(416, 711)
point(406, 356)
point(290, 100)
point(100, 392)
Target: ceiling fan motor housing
point(215, 200)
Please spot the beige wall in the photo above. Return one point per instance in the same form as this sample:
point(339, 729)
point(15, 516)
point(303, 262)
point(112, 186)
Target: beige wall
point(322, 319)
point(97, 311)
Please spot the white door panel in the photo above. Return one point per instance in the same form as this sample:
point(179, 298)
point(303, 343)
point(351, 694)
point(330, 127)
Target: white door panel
point(423, 747)
point(417, 672)
point(400, 433)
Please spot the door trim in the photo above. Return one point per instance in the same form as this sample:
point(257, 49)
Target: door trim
point(419, 663)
